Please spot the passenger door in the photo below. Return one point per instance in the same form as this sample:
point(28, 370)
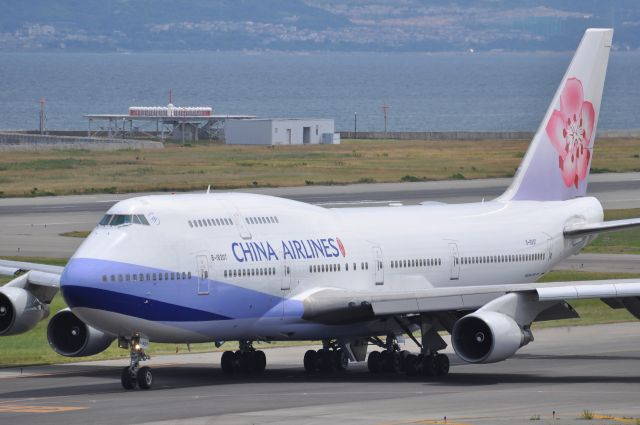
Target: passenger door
point(378, 265)
point(203, 274)
point(455, 262)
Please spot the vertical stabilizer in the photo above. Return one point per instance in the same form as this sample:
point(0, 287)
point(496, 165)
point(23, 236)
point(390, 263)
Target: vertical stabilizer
point(556, 165)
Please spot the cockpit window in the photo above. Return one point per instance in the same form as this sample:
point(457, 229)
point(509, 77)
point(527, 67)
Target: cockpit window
point(105, 220)
point(121, 219)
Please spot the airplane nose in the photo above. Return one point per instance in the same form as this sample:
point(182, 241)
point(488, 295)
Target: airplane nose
point(78, 283)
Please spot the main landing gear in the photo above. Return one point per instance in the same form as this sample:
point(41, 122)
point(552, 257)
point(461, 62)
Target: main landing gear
point(331, 357)
point(246, 360)
point(427, 363)
point(134, 375)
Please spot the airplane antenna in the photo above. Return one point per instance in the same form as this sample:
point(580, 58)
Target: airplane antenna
point(208, 189)
point(170, 95)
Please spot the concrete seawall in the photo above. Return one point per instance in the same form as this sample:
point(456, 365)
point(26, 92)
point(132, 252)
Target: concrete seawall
point(33, 142)
point(467, 135)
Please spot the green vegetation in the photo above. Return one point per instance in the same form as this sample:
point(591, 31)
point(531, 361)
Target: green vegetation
point(76, 234)
point(627, 242)
point(586, 415)
point(180, 168)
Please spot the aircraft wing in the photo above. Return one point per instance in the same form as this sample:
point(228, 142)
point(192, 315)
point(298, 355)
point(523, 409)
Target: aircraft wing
point(334, 306)
point(42, 280)
point(585, 229)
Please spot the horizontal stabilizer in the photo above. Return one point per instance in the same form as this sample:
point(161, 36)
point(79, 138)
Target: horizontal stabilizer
point(585, 229)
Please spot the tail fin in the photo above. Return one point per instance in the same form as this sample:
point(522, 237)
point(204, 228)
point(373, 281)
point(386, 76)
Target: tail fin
point(556, 165)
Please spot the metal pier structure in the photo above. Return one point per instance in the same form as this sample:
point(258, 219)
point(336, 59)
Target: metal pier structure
point(183, 127)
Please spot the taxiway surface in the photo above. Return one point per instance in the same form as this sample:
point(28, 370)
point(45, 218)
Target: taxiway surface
point(32, 226)
point(566, 371)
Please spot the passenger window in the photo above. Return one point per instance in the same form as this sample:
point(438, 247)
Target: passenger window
point(155, 277)
point(135, 277)
point(119, 278)
point(159, 276)
point(141, 277)
point(113, 278)
point(173, 276)
point(104, 277)
point(190, 223)
point(128, 277)
point(225, 273)
point(188, 275)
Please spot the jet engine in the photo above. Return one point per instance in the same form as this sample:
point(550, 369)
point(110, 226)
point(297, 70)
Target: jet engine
point(487, 337)
point(20, 310)
point(71, 337)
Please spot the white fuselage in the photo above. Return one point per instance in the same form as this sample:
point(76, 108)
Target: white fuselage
point(237, 266)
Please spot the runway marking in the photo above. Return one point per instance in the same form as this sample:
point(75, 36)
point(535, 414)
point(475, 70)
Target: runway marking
point(428, 422)
point(18, 408)
point(615, 418)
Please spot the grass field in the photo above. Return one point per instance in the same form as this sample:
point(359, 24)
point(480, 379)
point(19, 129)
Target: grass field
point(627, 242)
point(31, 348)
point(178, 168)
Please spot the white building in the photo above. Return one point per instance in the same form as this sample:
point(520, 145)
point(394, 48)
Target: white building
point(280, 131)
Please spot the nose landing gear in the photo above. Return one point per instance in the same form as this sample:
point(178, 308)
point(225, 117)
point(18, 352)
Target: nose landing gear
point(133, 375)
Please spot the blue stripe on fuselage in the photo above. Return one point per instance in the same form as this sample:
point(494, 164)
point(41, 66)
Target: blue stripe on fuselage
point(118, 302)
point(165, 300)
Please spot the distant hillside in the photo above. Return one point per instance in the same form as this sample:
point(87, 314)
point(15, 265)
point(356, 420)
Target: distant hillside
point(348, 25)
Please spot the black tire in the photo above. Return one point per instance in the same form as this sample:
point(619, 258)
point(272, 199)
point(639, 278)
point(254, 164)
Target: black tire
point(310, 361)
point(326, 360)
point(227, 362)
point(428, 366)
point(259, 361)
point(145, 378)
point(340, 360)
point(411, 365)
point(403, 357)
point(373, 362)
point(246, 362)
point(390, 361)
point(128, 383)
point(442, 365)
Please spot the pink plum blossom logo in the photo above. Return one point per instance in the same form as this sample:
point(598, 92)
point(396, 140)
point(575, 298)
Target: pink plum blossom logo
point(570, 130)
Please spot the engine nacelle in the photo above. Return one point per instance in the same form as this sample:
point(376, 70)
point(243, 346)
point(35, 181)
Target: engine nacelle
point(71, 337)
point(487, 337)
point(20, 310)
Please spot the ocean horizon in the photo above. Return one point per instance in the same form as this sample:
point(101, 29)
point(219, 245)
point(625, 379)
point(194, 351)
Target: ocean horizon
point(497, 91)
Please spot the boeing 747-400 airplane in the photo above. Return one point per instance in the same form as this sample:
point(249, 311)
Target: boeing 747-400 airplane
point(240, 267)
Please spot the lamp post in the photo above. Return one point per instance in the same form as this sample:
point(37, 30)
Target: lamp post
point(355, 125)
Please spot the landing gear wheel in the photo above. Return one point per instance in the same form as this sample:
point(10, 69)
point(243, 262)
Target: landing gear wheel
point(373, 362)
point(128, 382)
point(403, 358)
point(310, 361)
point(340, 360)
point(227, 362)
point(326, 360)
point(428, 365)
point(144, 378)
point(390, 361)
point(246, 362)
point(442, 365)
point(411, 365)
point(259, 361)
